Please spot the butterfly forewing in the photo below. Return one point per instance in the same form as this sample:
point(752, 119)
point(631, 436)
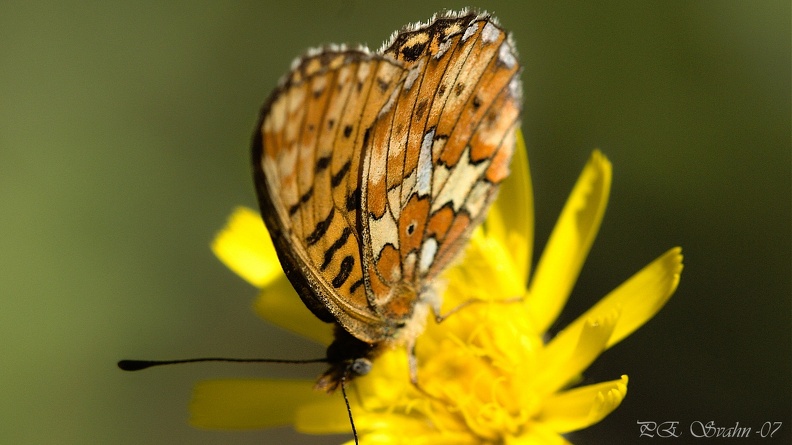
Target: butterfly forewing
point(436, 155)
point(307, 173)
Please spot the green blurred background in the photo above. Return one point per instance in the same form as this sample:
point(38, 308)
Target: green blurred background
point(124, 131)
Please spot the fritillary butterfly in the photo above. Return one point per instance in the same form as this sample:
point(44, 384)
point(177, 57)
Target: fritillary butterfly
point(373, 168)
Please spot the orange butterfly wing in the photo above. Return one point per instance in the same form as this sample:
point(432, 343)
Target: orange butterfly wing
point(306, 163)
point(436, 155)
point(373, 169)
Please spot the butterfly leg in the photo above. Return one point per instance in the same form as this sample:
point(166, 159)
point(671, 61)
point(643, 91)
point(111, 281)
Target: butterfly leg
point(440, 317)
point(434, 306)
point(412, 361)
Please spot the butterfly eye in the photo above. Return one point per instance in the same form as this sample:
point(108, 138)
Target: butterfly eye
point(361, 366)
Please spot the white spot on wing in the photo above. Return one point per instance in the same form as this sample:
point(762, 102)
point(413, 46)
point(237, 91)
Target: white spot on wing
point(471, 29)
point(413, 75)
point(461, 180)
point(440, 176)
point(383, 231)
point(408, 187)
point(389, 104)
point(437, 147)
point(490, 33)
point(515, 88)
point(394, 201)
point(477, 198)
point(441, 50)
point(425, 164)
point(506, 55)
point(428, 251)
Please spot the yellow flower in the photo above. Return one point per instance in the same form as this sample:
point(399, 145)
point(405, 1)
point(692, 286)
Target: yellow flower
point(488, 372)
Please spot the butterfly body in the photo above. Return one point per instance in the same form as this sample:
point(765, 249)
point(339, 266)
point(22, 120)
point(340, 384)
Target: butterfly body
point(372, 169)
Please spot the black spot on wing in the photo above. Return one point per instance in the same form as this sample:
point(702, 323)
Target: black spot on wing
point(412, 53)
point(320, 229)
point(339, 176)
point(328, 256)
point(366, 137)
point(420, 109)
point(355, 285)
point(476, 102)
point(323, 163)
point(353, 200)
point(383, 84)
point(343, 271)
point(303, 199)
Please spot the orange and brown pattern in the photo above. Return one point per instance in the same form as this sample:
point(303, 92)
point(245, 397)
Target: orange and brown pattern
point(373, 168)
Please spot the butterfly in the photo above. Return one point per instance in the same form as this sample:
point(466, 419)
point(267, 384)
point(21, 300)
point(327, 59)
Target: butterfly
point(373, 168)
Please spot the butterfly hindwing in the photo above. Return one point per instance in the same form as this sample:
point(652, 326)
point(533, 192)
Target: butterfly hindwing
point(436, 154)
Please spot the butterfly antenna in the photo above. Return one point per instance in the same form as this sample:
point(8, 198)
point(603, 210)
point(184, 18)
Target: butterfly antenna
point(346, 401)
point(138, 365)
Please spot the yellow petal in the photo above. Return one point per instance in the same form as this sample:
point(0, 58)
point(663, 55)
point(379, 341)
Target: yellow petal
point(483, 273)
point(327, 416)
point(398, 435)
point(511, 218)
point(570, 242)
point(413, 431)
point(249, 404)
point(637, 300)
point(582, 407)
point(644, 294)
point(562, 363)
point(244, 246)
point(538, 434)
point(279, 304)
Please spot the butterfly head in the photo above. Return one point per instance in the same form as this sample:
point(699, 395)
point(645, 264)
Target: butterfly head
point(349, 357)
